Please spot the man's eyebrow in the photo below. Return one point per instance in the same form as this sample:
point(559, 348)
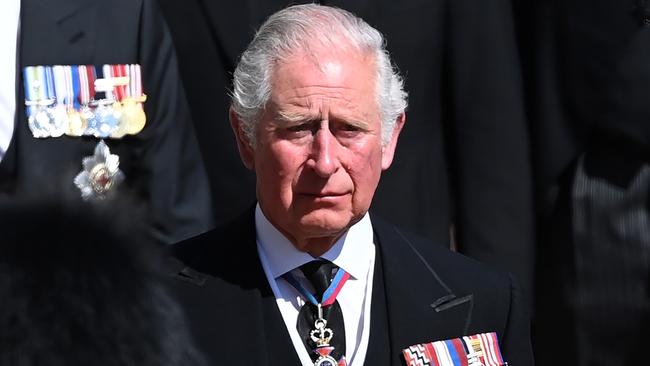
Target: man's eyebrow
point(360, 124)
point(285, 118)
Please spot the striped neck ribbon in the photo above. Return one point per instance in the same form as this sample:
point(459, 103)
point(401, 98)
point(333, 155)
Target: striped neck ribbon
point(330, 294)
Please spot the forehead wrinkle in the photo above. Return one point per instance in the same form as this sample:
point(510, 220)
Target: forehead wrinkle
point(306, 97)
point(312, 100)
point(285, 117)
point(304, 109)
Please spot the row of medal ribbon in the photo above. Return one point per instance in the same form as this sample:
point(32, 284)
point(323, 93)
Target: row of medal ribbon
point(84, 100)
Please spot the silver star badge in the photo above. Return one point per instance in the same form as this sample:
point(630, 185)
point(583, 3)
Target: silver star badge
point(100, 174)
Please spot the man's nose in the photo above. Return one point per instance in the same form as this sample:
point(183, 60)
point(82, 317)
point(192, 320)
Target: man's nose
point(324, 159)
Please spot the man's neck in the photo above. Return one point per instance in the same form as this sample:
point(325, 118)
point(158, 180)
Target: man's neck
point(315, 246)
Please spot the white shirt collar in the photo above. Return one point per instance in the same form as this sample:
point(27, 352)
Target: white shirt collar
point(350, 251)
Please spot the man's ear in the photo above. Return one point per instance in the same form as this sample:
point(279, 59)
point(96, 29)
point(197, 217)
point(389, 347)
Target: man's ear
point(246, 152)
point(388, 150)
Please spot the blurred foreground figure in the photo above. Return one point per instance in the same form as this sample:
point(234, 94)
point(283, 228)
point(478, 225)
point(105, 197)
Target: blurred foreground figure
point(80, 287)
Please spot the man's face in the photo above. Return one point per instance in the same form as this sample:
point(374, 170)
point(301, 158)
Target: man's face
point(319, 153)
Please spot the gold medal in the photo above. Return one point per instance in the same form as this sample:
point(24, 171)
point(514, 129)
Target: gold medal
point(133, 114)
point(76, 124)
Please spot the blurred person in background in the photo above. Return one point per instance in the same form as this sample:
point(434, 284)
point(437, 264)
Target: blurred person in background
point(588, 86)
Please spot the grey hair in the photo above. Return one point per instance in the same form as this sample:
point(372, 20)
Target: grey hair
point(293, 29)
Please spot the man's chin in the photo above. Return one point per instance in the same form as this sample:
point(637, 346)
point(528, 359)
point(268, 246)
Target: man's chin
point(325, 222)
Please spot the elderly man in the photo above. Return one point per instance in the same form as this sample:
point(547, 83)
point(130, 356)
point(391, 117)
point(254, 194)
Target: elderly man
point(308, 276)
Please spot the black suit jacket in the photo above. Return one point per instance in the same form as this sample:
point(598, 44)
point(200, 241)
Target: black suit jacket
point(162, 164)
point(430, 294)
point(463, 155)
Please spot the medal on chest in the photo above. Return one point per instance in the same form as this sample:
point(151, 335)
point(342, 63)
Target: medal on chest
point(321, 335)
point(86, 101)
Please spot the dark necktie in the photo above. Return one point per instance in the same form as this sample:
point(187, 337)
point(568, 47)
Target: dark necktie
point(319, 274)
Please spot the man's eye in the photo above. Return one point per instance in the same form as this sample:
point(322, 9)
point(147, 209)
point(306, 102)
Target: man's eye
point(348, 130)
point(348, 127)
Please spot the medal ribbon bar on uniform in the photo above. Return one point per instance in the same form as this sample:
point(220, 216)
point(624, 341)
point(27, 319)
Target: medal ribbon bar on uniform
point(120, 88)
point(102, 122)
point(133, 113)
point(86, 95)
point(76, 87)
point(120, 82)
point(68, 94)
point(39, 100)
point(485, 347)
point(71, 97)
point(479, 349)
point(60, 87)
point(136, 83)
point(103, 73)
point(57, 118)
point(86, 84)
point(57, 90)
point(31, 89)
point(68, 99)
point(49, 83)
point(76, 122)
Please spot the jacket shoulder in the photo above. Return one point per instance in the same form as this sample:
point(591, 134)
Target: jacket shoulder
point(436, 255)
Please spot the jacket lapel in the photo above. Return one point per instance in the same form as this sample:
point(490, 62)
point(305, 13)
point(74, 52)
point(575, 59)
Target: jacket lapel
point(421, 308)
point(242, 305)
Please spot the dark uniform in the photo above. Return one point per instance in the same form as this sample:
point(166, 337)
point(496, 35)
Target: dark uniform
point(162, 165)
